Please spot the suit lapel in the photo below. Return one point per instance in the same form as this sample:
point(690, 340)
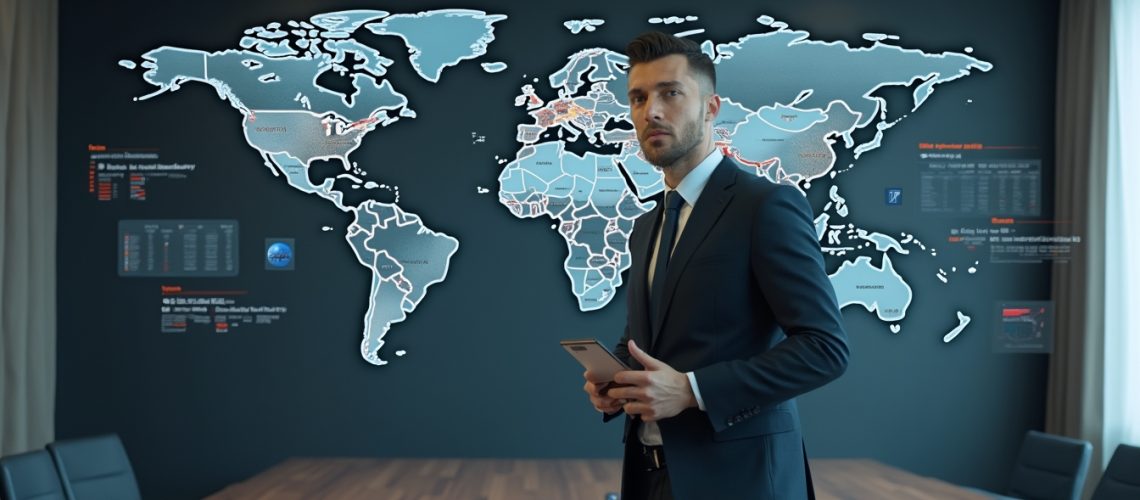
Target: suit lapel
point(704, 216)
point(641, 244)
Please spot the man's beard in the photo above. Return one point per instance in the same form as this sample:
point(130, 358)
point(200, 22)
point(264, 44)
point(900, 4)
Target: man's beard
point(688, 139)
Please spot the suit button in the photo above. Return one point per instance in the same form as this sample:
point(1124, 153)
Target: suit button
point(730, 423)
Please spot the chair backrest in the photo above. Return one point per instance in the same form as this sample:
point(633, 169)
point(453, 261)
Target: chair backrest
point(1121, 480)
point(30, 476)
point(1050, 467)
point(95, 468)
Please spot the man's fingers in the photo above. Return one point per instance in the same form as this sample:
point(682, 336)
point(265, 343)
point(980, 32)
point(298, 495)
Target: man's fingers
point(597, 389)
point(607, 405)
point(642, 410)
point(589, 376)
point(632, 377)
point(611, 407)
point(649, 362)
point(630, 393)
point(620, 393)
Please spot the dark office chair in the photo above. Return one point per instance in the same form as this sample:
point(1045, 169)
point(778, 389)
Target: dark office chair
point(29, 476)
point(95, 468)
point(1121, 480)
point(1050, 467)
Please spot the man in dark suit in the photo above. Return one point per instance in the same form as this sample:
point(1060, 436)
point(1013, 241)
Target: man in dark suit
point(730, 315)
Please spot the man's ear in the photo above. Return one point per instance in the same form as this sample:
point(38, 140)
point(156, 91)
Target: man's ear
point(712, 107)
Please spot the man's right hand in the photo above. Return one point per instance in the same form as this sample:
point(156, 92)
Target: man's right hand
point(601, 402)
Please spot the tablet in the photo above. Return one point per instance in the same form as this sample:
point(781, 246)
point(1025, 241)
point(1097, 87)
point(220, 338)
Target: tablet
point(595, 357)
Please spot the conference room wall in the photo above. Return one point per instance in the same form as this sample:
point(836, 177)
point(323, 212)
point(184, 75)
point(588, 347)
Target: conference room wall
point(200, 410)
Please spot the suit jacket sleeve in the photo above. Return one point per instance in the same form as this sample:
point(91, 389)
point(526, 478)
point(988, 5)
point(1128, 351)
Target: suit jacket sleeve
point(787, 267)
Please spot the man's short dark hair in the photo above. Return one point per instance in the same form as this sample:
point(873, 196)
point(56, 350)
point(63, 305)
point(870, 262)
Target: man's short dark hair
point(653, 45)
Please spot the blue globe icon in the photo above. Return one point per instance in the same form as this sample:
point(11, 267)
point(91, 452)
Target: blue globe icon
point(279, 255)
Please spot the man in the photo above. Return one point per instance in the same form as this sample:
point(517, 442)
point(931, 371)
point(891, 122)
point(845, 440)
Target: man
point(730, 313)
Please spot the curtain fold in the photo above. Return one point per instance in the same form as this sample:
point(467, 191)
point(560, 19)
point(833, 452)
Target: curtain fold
point(28, 116)
point(1075, 401)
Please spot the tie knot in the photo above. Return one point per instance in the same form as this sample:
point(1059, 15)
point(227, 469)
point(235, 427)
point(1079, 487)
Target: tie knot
point(673, 201)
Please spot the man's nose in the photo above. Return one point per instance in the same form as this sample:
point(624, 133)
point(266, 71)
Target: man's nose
point(653, 110)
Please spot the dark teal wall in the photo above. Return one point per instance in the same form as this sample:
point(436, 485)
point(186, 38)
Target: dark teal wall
point(484, 376)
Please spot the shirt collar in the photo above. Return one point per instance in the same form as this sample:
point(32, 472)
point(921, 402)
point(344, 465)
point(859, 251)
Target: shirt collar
point(694, 182)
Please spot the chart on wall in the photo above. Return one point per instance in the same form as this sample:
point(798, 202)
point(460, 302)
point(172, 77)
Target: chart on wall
point(313, 97)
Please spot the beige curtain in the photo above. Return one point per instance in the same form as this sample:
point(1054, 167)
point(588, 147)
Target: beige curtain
point(28, 89)
point(1075, 402)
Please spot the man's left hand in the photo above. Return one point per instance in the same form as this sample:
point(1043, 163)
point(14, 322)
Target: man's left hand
point(656, 393)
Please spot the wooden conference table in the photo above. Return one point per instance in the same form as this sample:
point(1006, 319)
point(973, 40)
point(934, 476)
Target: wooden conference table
point(439, 479)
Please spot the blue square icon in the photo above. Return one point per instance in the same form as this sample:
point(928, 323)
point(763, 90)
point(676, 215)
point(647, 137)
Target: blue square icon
point(894, 196)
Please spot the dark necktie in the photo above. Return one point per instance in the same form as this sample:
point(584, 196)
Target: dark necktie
point(673, 203)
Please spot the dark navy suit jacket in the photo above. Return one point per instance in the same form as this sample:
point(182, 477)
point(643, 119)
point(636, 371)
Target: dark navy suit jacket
point(750, 310)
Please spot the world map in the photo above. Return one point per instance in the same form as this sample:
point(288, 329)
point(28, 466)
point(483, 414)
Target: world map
point(789, 103)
